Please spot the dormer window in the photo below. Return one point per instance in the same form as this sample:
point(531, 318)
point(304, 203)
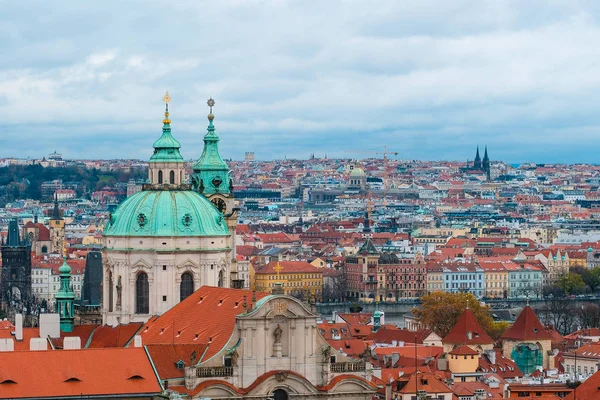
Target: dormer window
point(180, 364)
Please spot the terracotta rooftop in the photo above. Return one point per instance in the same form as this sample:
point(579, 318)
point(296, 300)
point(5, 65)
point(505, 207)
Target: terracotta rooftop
point(75, 373)
point(205, 317)
point(467, 331)
point(527, 327)
point(463, 351)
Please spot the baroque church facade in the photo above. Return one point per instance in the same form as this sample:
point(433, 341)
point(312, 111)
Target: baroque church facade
point(164, 242)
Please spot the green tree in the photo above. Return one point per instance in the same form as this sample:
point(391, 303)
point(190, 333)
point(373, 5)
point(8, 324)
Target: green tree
point(439, 311)
point(571, 283)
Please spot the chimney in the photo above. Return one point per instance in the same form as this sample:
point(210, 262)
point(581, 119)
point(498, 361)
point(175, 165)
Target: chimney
point(72, 343)
point(491, 355)
point(38, 344)
point(49, 326)
point(137, 341)
point(278, 288)
point(19, 326)
point(7, 345)
point(388, 390)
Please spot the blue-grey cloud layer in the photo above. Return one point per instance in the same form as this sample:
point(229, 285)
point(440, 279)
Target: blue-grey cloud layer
point(430, 79)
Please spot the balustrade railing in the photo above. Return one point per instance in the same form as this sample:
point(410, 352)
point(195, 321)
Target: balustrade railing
point(348, 366)
point(214, 372)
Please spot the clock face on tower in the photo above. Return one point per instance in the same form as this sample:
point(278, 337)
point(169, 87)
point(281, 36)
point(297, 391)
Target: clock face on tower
point(220, 204)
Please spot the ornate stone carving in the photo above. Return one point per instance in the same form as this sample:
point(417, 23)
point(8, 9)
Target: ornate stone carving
point(281, 376)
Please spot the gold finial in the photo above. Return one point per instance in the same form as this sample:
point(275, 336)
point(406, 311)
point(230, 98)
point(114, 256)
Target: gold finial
point(166, 99)
point(65, 250)
point(211, 104)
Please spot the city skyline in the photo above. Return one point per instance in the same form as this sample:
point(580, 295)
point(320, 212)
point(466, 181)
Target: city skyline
point(430, 80)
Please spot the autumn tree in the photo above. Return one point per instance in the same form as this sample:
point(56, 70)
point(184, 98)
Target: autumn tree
point(439, 312)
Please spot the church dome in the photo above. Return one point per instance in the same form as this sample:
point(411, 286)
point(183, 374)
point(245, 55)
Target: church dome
point(357, 172)
point(166, 213)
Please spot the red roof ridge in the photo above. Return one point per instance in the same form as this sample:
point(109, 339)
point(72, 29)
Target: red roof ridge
point(467, 330)
point(527, 327)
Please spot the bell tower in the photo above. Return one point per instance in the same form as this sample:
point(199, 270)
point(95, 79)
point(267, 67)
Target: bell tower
point(211, 178)
point(166, 166)
point(57, 229)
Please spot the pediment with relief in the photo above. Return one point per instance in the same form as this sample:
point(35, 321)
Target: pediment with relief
point(285, 306)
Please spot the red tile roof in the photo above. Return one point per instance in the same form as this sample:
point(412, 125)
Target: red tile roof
point(166, 356)
point(77, 373)
point(590, 389)
point(425, 381)
point(463, 351)
point(205, 317)
point(107, 336)
point(356, 318)
point(289, 267)
point(467, 331)
point(527, 327)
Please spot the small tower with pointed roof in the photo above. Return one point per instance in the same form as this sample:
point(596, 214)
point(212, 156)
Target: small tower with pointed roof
point(527, 342)
point(468, 331)
point(211, 178)
point(57, 229)
point(65, 298)
point(166, 166)
point(477, 162)
point(486, 164)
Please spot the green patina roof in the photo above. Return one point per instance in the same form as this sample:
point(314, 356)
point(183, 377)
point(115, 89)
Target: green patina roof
point(166, 213)
point(166, 148)
point(211, 158)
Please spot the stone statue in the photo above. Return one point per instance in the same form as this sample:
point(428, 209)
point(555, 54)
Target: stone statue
point(234, 358)
point(277, 333)
point(193, 358)
point(119, 290)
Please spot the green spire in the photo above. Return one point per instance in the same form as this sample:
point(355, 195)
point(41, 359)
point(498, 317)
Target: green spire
point(376, 318)
point(65, 298)
point(211, 173)
point(166, 148)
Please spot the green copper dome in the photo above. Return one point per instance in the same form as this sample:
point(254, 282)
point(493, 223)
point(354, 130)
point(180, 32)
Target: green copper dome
point(166, 148)
point(166, 213)
point(64, 269)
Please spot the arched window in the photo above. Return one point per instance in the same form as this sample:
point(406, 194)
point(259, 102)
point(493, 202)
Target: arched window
point(186, 287)
point(44, 249)
point(142, 294)
point(280, 394)
point(172, 177)
point(160, 177)
point(110, 292)
point(220, 283)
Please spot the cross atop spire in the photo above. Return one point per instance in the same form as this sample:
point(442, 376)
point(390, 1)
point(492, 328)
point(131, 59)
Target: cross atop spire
point(278, 269)
point(166, 99)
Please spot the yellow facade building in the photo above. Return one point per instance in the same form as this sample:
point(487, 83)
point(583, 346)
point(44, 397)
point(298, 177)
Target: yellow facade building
point(495, 278)
point(299, 278)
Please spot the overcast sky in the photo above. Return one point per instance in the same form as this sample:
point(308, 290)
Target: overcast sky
point(431, 79)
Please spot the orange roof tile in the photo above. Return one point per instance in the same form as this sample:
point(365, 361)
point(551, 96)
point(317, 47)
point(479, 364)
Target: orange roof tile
point(108, 336)
point(205, 317)
point(467, 331)
point(77, 373)
point(289, 267)
point(166, 356)
point(527, 327)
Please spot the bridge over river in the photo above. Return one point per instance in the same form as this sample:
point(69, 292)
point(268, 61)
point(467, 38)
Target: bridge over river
point(395, 311)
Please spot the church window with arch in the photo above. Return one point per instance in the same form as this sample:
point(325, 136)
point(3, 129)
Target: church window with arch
point(186, 287)
point(142, 294)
